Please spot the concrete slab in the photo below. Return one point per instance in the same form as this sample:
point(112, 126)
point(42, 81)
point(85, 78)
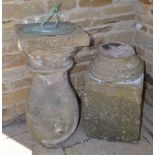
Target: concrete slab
point(40, 150)
point(78, 137)
point(13, 130)
point(100, 147)
point(17, 140)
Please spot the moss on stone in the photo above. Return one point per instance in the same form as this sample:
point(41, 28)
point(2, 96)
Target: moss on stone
point(114, 116)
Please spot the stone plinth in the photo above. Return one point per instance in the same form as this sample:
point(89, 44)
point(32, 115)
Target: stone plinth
point(113, 94)
point(52, 111)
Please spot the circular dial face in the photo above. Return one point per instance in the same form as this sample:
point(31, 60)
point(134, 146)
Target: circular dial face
point(49, 29)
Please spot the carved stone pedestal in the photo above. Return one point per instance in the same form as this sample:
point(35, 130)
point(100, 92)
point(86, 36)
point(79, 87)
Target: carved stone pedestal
point(52, 111)
point(113, 94)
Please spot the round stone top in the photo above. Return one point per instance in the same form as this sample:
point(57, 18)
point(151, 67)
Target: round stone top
point(115, 62)
point(116, 50)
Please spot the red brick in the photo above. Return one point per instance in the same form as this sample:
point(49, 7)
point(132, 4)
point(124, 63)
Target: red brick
point(22, 9)
point(20, 108)
point(147, 1)
point(9, 43)
point(8, 24)
point(14, 60)
point(8, 114)
point(19, 96)
point(83, 23)
point(21, 83)
point(119, 9)
point(113, 19)
point(94, 3)
point(5, 87)
point(66, 4)
point(84, 14)
point(149, 68)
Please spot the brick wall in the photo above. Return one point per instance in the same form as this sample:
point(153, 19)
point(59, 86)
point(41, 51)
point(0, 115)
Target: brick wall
point(104, 20)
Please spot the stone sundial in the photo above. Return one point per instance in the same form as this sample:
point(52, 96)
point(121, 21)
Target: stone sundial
point(47, 28)
point(52, 111)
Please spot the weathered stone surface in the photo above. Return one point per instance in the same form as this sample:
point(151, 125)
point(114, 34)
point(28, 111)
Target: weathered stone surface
point(94, 3)
point(56, 49)
point(113, 94)
point(78, 137)
point(77, 80)
point(80, 67)
point(113, 117)
point(84, 55)
point(53, 122)
point(18, 15)
point(149, 57)
point(75, 39)
point(52, 109)
point(147, 122)
point(148, 114)
point(148, 96)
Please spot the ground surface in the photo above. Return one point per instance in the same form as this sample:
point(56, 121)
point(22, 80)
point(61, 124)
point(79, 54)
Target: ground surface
point(18, 141)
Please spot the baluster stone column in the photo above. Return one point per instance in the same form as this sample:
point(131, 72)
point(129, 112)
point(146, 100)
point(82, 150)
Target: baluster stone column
point(52, 112)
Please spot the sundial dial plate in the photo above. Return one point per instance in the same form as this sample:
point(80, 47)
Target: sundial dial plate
point(49, 29)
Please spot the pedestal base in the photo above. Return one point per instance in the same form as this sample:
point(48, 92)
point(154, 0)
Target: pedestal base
point(52, 112)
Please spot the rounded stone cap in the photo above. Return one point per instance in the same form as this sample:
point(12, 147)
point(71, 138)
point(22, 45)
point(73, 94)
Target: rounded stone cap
point(115, 62)
point(116, 50)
